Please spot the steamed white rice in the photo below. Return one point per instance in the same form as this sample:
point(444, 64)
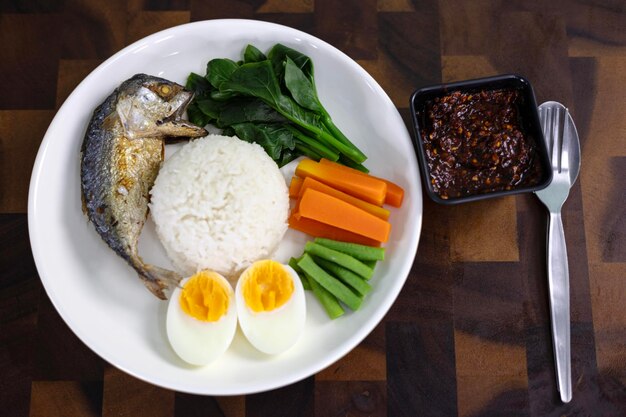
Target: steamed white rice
point(219, 203)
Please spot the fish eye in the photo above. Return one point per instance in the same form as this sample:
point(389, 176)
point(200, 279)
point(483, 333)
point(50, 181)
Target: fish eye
point(165, 89)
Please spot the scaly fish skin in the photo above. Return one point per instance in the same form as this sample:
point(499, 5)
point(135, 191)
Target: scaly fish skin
point(120, 158)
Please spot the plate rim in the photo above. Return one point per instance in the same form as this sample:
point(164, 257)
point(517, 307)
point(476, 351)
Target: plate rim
point(297, 375)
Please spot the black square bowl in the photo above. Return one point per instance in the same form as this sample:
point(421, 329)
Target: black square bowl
point(528, 124)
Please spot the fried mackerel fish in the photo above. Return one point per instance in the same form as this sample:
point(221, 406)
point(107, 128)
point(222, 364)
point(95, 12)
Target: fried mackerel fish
point(120, 157)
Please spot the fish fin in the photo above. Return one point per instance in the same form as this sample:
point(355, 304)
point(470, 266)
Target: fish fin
point(158, 280)
point(110, 120)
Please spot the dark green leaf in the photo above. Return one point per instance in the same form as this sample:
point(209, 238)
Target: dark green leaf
point(228, 131)
point(220, 70)
point(300, 87)
point(196, 116)
point(248, 110)
point(252, 54)
point(209, 107)
point(222, 96)
point(265, 100)
point(279, 52)
point(274, 138)
point(256, 79)
point(303, 117)
point(287, 156)
point(198, 84)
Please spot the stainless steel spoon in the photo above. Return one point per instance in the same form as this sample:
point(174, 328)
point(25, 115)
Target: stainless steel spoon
point(564, 149)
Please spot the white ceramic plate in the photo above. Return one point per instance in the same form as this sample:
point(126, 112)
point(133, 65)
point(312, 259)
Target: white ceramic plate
point(100, 297)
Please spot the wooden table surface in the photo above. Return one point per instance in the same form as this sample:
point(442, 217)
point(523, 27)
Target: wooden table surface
point(469, 334)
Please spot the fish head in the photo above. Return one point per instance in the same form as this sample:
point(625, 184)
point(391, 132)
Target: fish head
point(151, 107)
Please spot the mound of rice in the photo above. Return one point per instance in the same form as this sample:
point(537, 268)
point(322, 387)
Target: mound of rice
point(219, 203)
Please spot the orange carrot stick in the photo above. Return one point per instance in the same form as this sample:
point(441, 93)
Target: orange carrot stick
point(395, 193)
point(370, 189)
point(327, 209)
point(317, 229)
point(377, 211)
point(295, 186)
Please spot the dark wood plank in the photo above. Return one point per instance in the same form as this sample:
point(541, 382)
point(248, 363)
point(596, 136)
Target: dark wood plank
point(60, 355)
point(350, 25)
point(351, 398)
point(614, 225)
point(126, 395)
point(71, 73)
point(19, 294)
point(599, 20)
point(216, 9)
point(21, 133)
point(366, 362)
point(301, 21)
point(420, 369)
point(92, 30)
point(28, 78)
point(66, 398)
point(188, 405)
point(411, 40)
point(31, 6)
point(488, 302)
point(166, 4)
point(295, 400)
point(148, 22)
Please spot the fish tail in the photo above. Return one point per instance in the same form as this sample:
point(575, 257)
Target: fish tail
point(158, 280)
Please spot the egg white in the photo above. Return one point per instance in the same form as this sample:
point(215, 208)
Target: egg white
point(200, 342)
point(278, 330)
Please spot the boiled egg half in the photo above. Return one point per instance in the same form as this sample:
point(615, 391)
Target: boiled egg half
point(202, 318)
point(271, 306)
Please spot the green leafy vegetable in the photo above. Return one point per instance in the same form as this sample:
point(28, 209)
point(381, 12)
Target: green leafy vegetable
point(278, 54)
point(220, 70)
point(300, 87)
point(209, 107)
point(272, 137)
point(198, 84)
point(271, 100)
point(247, 110)
point(197, 116)
point(252, 54)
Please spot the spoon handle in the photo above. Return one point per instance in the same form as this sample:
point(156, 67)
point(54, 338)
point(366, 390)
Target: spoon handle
point(558, 285)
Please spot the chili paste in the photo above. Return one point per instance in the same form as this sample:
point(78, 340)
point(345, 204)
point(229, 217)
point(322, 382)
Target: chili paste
point(474, 143)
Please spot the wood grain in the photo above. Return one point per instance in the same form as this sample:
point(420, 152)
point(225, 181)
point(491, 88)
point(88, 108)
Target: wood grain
point(21, 132)
point(469, 334)
point(364, 363)
point(19, 295)
point(296, 400)
point(126, 395)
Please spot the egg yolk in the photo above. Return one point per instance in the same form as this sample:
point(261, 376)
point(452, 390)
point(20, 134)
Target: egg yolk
point(204, 296)
point(267, 286)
